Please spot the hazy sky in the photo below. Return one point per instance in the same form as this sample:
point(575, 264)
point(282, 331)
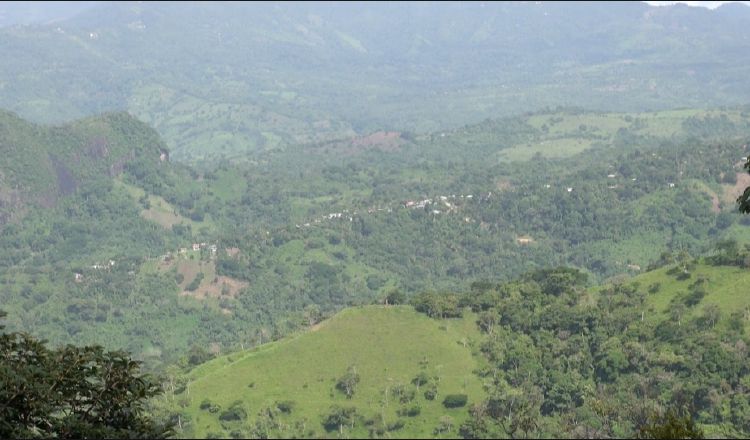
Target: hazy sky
point(710, 5)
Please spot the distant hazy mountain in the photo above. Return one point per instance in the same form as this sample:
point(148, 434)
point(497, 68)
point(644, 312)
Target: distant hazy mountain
point(23, 13)
point(226, 79)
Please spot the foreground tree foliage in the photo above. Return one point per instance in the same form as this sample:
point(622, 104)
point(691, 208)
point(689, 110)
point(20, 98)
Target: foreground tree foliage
point(72, 392)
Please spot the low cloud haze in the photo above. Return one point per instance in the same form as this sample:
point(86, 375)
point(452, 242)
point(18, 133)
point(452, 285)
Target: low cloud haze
point(709, 5)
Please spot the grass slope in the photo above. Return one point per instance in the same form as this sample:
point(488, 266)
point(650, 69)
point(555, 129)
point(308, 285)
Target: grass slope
point(726, 287)
point(388, 346)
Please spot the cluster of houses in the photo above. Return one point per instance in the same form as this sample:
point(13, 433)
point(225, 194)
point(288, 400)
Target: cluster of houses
point(331, 216)
point(212, 248)
point(196, 247)
point(98, 266)
point(406, 204)
point(345, 214)
point(614, 186)
point(416, 204)
point(78, 277)
point(421, 204)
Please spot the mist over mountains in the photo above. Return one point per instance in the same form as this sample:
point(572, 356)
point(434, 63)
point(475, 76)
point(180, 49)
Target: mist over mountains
point(232, 74)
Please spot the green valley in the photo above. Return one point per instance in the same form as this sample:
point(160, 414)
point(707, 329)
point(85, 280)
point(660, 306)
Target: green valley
point(311, 226)
point(374, 220)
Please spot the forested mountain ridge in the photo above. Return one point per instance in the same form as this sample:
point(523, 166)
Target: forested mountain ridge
point(41, 164)
point(223, 80)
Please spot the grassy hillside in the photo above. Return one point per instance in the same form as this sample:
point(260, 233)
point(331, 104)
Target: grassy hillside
point(387, 346)
point(672, 297)
point(727, 287)
point(529, 353)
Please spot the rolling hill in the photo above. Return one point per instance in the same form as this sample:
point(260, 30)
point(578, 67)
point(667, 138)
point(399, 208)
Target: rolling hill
point(386, 346)
point(539, 340)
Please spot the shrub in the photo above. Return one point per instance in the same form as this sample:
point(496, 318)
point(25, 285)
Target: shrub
point(195, 283)
point(235, 413)
point(338, 417)
point(285, 406)
point(407, 396)
point(695, 296)
point(395, 426)
point(198, 355)
point(396, 297)
point(431, 393)
point(455, 400)
point(207, 405)
point(446, 425)
point(411, 411)
point(421, 379)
